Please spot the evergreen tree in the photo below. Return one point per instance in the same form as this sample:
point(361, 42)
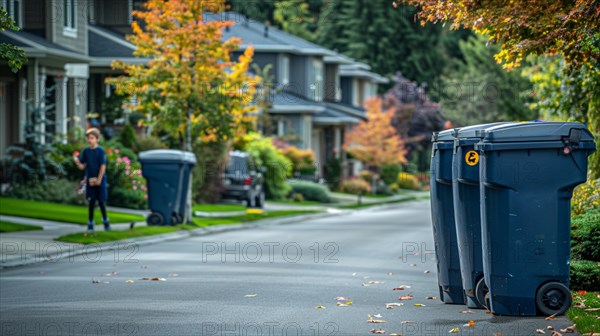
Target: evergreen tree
point(388, 39)
point(478, 90)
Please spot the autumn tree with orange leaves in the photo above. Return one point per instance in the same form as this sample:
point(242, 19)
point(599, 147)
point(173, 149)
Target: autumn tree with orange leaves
point(375, 142)
point(190, 86)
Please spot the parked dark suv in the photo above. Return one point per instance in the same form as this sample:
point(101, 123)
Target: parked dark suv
point(243, 181)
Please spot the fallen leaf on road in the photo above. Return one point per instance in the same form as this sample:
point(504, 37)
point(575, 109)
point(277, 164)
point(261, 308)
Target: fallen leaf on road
point(129, 281)
point(395, 334)
point(353, 274)
point(377, 331)
point(470, 324)
point(550, 327)
point(347, 304)
point(407, 322)
point(540, 331)
point(427, 271)
point(405, 297)
point(250, 295)
point(413, 265)
point(154, 279)
point(569, 330)
point(392, 305)
point(375, 321)
point(320, 307)
point(110, 274)
point(341, 298)
point(467, 312)
point(94, 281)
point(454, 330)
point(401, 287)
point(419, 305)
point(551, 317)
point(556, 333)
point(430, 298)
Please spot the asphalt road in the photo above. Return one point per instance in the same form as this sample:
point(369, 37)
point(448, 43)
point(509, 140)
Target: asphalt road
point(274, 280)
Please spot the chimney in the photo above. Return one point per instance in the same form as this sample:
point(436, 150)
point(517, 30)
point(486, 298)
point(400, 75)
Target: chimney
point(266, 31)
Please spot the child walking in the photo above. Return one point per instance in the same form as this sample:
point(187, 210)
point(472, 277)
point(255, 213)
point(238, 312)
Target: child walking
point(93, 161)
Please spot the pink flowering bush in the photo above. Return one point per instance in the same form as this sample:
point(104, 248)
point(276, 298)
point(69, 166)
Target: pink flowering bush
point(127, 187)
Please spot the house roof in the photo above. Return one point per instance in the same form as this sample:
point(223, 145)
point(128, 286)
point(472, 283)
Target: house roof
point(265, 38)
point(289, 102)
point(36, 46)
point(359, 69)
point(332, 116)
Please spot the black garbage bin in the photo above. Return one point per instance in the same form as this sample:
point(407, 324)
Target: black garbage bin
point(442, 215)
point(528, 172)
point(465, 187)
point(168, 174)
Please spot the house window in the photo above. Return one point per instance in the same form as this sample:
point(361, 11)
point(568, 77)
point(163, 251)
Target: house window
point(69, 18)
point(316, 85)
point(13, 8)
point(284, 73)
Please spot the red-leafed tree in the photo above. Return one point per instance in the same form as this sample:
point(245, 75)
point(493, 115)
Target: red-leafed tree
point(376, 142)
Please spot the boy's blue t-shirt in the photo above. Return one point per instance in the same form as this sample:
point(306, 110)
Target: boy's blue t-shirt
point(93, 159)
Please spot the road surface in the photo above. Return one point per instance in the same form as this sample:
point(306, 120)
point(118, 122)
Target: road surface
point(271, 280)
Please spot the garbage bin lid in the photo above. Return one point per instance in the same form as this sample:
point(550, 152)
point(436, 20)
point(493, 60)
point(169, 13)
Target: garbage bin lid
point(445, 135)
point(167, 155)
point(538, 131)
point(471, 131)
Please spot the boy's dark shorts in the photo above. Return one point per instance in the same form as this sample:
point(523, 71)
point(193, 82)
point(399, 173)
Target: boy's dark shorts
point(96, 193)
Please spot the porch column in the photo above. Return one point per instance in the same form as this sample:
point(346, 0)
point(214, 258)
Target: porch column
point(62, 84)
point(42, 103)
point(337, 141)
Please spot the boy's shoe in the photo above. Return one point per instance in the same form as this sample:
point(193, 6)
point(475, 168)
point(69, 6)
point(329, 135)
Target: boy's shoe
point(90, 229)
point(107, 226)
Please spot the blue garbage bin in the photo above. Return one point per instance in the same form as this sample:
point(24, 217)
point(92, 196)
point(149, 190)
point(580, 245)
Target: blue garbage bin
point(168, 174)
point(442, 215)
point(465, 187)
point(528, 172)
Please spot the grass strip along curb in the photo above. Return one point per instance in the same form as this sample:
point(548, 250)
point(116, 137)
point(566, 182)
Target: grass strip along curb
point(14, 227)
point(64, 213)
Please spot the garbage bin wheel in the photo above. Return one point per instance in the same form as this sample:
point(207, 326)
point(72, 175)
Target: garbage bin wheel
point(260, 200)
point(155, 219)
point(480, 291)
point(176, 219)
point(553, 298)
point(486, 301)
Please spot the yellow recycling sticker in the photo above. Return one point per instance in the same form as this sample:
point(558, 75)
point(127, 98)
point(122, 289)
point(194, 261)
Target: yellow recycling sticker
point(472, 158)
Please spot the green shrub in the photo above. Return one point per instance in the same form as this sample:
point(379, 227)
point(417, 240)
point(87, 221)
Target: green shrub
point(144, 143)
point(127, 136)
point(51, 190)
point(585, 236)
point(333, 172)
point(279, 168)
point(389, 173)
point(207, 184)
point(311, 191)
point(120, 149)
point(126, 198)
point(586, 197)
point(355, 186)
point(585, 275)
point(408, 181)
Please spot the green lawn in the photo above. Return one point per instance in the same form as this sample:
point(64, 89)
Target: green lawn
point(586, 318)
point(250, 217)
point(14, 227)
point(219, 207)
point(103, 236)
point(58, 212)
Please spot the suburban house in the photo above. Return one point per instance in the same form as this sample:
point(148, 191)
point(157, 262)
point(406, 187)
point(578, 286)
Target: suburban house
point(317, 96)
